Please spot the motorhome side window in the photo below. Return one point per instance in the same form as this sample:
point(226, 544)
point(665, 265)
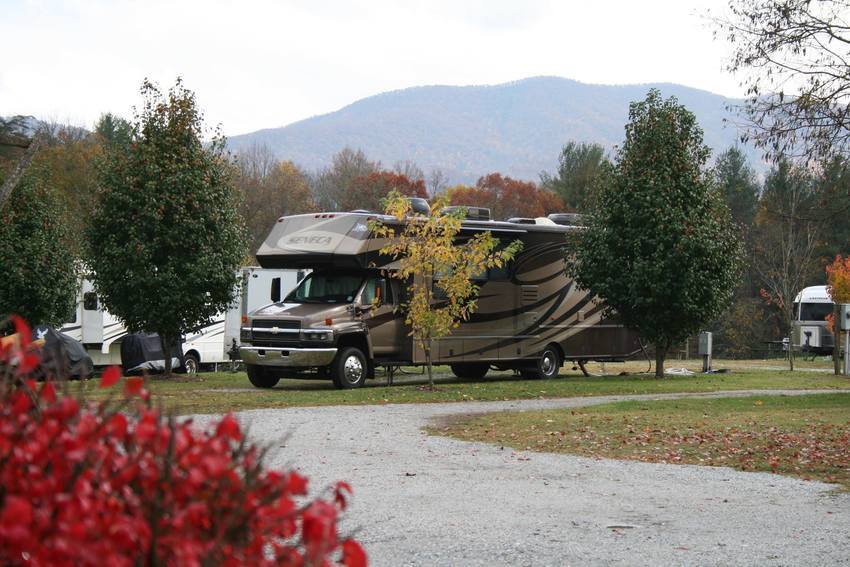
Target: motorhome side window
point(493, 274)
point(90, 301)
point(377, 287)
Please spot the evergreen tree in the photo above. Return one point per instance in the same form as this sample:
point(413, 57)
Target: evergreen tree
point(578, 167)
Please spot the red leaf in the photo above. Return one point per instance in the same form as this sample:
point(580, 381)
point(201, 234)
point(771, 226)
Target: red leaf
point(342, 491)
point(110, 377)
point(228, 427)
point(296, 484)
point(28, 363)
point(48, 392)
point(133, 385)
point(353, 554)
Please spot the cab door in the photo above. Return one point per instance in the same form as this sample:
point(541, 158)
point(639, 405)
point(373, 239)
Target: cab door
point(384, 318)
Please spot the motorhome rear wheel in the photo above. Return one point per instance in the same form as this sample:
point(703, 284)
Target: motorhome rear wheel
point(349, 369)
point(261, 376)
point(471, 370)
point(547, 366)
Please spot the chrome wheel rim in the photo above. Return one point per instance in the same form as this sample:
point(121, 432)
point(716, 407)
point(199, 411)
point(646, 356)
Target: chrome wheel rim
point(548, 365)
point(352, 369)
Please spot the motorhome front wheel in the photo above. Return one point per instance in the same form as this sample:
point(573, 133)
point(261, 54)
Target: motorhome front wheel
point(349, 369)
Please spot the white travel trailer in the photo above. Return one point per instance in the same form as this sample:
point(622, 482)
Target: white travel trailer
point(809, 333)
point(101, 332)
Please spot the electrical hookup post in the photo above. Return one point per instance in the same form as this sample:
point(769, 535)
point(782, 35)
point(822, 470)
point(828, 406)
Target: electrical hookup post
point(843, 325)
point(705, 350)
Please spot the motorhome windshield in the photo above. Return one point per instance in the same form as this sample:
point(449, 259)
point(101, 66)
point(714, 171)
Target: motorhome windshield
point(815, 311)
point(325, 287)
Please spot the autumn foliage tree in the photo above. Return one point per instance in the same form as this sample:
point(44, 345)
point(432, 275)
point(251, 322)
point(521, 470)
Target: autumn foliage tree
point(838, 287)
point(270, 189)
point(507, 197)
point(793, 57)
point(435, 263)
point(369, 191)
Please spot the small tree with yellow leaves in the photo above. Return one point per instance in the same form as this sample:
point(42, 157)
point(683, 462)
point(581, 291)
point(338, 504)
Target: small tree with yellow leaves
point(439, 266)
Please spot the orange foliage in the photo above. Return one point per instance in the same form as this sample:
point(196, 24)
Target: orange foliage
point(507, 197)
point(368, 191)
point(838, 284)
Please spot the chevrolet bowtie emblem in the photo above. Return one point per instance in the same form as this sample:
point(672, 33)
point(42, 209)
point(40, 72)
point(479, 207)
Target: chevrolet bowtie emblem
point(275, 330)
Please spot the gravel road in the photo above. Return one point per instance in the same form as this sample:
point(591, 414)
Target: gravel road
point(424, 500)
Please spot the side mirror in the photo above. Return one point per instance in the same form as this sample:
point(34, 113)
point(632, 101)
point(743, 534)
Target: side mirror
point(275, 294)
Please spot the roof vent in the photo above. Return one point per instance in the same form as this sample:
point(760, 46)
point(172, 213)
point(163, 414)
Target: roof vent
point(472, 213)
point(567, 219)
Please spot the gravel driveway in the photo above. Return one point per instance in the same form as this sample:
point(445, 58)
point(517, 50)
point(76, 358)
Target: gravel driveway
point(423, 500)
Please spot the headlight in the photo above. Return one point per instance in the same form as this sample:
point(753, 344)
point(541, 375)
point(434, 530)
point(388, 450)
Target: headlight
point(317, 335)
point(245, 331)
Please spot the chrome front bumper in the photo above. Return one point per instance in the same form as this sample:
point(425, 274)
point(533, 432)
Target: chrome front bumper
point(287, 357)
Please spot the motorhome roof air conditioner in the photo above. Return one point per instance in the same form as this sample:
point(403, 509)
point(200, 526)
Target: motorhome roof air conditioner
point(567, 219)
point(472, 213)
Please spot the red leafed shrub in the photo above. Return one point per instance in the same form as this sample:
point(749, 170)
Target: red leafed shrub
point(119, 483)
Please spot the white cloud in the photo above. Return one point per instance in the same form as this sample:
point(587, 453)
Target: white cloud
point(265, 63)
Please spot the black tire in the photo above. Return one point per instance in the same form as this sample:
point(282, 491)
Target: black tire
point(349, 369)
point(191, 364)
point(547, 366)
point(261, 377)
point(470, 370)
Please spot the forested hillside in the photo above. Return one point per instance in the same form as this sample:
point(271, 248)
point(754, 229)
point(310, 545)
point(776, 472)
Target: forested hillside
point(516, 128)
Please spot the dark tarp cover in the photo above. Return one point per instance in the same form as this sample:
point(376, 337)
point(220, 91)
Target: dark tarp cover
point(64, 354)
point(142, 352)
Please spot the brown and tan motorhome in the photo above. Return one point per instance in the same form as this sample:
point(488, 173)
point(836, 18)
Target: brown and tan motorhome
point(344, 319)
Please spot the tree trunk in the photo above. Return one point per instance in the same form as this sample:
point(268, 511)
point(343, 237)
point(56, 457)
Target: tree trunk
point(660, 355)
point(165, 344)
point(430, 369)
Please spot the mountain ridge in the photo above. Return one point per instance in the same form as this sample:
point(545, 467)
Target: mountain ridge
point(516, 128)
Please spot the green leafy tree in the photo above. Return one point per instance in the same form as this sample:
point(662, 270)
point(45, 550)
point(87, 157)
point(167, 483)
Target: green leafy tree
point(578, 167)
point(166, 238)
point(435, 263)
point(660, 247)
point(39, 279)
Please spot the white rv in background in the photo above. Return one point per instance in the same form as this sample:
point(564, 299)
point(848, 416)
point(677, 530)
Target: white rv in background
point(101, 333)
point(809, 332)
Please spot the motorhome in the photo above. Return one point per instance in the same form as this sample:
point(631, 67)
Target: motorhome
point(101, 332)
point(346, 317)
point(809, 331)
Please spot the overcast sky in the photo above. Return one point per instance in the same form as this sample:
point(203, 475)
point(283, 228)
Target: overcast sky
point(266, 63)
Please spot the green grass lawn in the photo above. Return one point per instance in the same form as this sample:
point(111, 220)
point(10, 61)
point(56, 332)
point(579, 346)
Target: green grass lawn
point(223, 391)
point(803, 436)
